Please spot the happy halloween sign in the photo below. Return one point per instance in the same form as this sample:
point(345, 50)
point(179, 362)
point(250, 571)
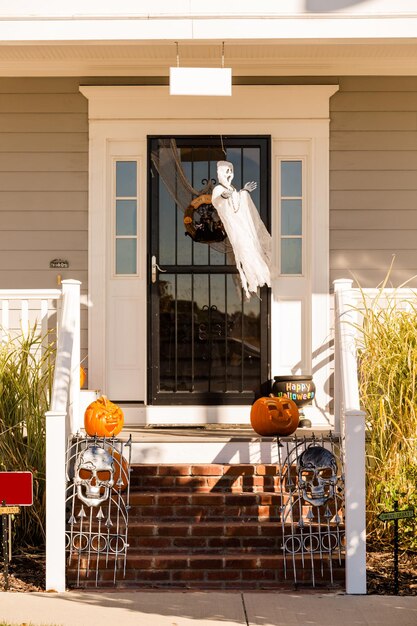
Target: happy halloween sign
point(297, 391)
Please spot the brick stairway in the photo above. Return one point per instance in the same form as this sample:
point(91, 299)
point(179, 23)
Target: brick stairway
point(208, 527)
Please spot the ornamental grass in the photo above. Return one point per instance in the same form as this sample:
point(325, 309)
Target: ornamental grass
point(387, 348)
point(26, 372)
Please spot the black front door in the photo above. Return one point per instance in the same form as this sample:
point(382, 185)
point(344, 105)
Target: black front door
point(208, 343)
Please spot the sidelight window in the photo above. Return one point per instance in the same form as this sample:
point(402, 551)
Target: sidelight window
point(125, 223)
point(291, 205)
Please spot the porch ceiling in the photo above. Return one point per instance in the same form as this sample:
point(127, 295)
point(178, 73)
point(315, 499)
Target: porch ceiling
point(246, 58)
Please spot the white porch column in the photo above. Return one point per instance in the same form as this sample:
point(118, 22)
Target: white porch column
point(353, 430)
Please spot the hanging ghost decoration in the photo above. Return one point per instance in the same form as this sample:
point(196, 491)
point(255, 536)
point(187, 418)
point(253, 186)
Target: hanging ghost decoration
point(248, 236)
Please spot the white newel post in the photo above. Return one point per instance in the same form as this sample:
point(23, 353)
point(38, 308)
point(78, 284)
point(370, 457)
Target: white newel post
point(60, 420)
point(355, 502)
point(353, 429)
point(55, 500)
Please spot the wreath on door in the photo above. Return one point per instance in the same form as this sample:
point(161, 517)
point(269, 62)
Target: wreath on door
point(202, 222)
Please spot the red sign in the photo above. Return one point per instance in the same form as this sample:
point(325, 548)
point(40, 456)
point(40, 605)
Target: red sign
point(16, 488)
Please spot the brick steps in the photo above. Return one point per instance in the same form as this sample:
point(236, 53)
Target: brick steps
point(209, 527)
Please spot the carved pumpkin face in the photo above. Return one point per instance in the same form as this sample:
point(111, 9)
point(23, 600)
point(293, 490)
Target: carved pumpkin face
point(274, 416)
point(103, 418)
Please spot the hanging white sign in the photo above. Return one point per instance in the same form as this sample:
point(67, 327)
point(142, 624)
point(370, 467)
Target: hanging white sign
point(200, 81)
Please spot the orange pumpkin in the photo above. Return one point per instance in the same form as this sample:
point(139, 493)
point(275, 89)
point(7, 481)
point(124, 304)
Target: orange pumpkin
point(121, 471)
point(274, 416)
point(103, 418)
point(83, 377)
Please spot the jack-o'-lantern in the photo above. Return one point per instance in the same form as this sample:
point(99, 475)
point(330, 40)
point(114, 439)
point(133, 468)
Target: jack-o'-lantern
point(274, 416)
point(103, 418)
point(83, 377)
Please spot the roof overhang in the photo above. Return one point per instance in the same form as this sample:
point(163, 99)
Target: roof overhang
point(297, 37)
point(245, 58)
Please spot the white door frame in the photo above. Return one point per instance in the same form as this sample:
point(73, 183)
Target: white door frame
point(297, 119)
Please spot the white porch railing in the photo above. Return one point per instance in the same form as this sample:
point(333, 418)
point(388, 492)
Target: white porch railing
point(20, 310)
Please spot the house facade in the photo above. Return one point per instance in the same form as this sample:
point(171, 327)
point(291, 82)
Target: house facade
point(322, 115)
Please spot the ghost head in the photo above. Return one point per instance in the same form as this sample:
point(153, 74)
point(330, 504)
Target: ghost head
point(225, 173)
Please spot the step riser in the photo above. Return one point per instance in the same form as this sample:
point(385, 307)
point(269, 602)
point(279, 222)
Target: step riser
point(217, 573)
point(209, 545)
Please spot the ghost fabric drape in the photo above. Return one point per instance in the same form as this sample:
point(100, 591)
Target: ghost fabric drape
point(247, 234)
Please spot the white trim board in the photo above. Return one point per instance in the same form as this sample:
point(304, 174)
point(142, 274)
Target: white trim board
point(297, 119)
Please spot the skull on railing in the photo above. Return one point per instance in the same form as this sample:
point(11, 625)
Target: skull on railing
point(94, 475)
point(317, 474)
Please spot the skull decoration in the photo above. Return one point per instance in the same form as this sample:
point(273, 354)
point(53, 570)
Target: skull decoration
point(317, 475)
point(94, 475)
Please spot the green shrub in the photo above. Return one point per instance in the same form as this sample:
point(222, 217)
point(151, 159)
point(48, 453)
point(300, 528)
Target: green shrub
point(26, 372)
point(388, 378)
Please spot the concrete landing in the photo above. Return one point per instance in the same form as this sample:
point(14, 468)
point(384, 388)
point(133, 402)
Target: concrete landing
point(205, 444)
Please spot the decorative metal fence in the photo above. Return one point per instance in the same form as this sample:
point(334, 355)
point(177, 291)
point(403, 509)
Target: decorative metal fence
point(97, 505)
point(312, 505)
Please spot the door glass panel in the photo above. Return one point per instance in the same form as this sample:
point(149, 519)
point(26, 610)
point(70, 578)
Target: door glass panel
point(251, 157)
point(234, 155)
point(183, 242)
point(218, 332)
point(126, 217)
point(126, 186)
point(126, 255)
point(167, 333)
point(291, 217)
point(167, 226)
point(234, 334)
point(200, 174)
point(291, 179)
point(291, 256)
point(251, 342)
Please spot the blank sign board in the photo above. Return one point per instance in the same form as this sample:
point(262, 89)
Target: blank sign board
point(16, 488)
point(200, 81)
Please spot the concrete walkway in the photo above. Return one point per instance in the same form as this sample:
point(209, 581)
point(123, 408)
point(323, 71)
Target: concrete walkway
point(149, 608)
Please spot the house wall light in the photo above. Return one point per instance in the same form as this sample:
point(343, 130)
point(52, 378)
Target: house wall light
point(200, 81)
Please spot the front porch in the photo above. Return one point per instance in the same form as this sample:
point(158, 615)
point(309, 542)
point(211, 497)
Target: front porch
point(212, 447)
